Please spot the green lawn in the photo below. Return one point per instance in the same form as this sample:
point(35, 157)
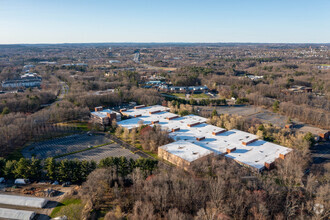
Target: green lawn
point(179, 95)
point(154, 155)
point(63, 203)
point(83, 126)
point(193, 96)
point(199, 96)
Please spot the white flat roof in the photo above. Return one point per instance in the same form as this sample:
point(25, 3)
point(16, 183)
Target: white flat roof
point(246, 152)
point(186, 150)
point(130, 123)
point(103, 113)
point(145, 111)
point(16, 214)
point(257, 153)
point(23, 201)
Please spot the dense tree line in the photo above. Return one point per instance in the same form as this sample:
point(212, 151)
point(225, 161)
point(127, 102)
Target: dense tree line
point(16, 129)
point(74, 171)
point(215, 189)
point(35, 170)
point(19, 102)
point(303, 112)
point(117, 98)
point(153, 137)
point(201, 102)
point(124, 167)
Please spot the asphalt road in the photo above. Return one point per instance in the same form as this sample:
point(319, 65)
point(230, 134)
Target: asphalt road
point(63, 92)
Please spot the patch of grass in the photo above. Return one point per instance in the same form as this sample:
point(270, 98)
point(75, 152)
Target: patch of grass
point(83, 126)
point(86, 149)
point(154, 155)
point(199, 96)
point(179, 95)
point(65, 202)
point(192, 96)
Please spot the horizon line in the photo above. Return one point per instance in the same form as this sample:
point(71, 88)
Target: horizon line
point(174, 42)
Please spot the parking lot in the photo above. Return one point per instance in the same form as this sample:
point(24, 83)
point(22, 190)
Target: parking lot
point(74, 143)
point(97, 154)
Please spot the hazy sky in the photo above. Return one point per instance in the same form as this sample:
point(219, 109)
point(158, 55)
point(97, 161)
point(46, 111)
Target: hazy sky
point(71, 21)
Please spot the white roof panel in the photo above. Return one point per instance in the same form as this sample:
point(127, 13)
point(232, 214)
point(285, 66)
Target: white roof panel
point(23, 201)
point(103, 113)
point(16, 214)
point(249, 149)
point(186, 150)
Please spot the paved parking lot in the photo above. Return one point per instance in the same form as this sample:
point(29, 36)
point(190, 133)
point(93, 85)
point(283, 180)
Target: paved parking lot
point(97, 154)
point(73, 143)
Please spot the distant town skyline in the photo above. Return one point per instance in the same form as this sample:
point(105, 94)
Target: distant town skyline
point(209, 21)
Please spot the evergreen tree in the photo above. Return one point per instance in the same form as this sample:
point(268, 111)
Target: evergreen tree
point(34, 171)
point(51, 168)
point(2, 166)
point(74, 167)
point(106, 162)
point(123, 166)
point(214, 113)
point(9, 169)
point(22, 168)
point(276, 106)
point(63, 171)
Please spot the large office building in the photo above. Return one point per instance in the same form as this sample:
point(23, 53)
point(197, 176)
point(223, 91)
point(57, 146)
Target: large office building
point(195, 139)
point(27, 80)
point(104, 116)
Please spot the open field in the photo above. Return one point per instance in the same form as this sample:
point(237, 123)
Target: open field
point(179, 95)
point(77, 147)
point(192, 96)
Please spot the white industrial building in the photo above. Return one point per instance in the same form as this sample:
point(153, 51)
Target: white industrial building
point(23, 201)
point(183, 153)
point(16, 214)
point(243, 147)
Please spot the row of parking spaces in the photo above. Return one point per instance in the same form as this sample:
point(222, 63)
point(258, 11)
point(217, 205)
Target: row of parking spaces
point(97, 154)
point(63, 145)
